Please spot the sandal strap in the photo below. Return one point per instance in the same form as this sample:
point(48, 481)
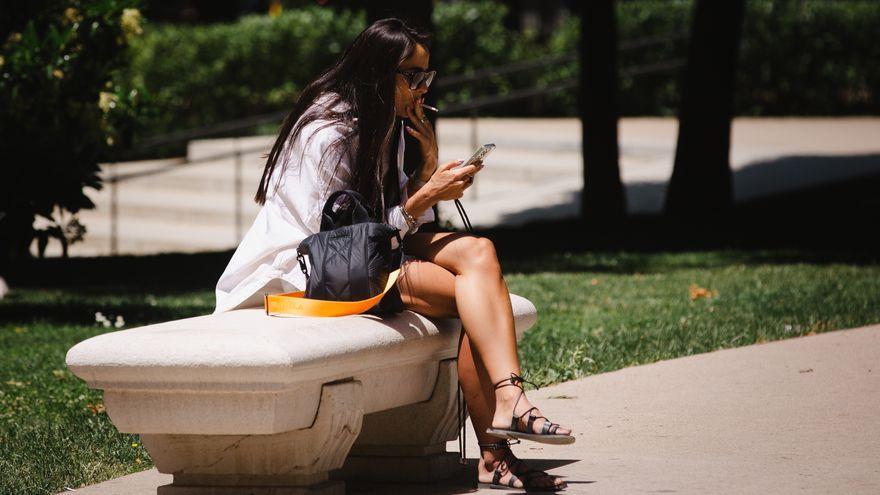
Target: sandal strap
point(516, 381)
point(527, 478)
point(531, 422)
point(514, 422)
point(498, 473)
point(513, 479)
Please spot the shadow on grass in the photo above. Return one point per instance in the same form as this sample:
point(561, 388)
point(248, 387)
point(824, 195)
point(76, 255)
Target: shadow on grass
point(83, 312)
point(120, 285)
point(165, 273)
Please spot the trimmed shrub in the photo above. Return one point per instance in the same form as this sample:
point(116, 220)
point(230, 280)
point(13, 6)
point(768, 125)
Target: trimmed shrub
point(798, 57)
point(198, 75)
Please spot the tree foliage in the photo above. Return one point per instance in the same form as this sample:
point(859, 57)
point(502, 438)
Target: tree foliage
point(60, 111)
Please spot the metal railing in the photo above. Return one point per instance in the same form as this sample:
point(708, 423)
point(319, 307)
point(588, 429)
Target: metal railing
point(470, 108)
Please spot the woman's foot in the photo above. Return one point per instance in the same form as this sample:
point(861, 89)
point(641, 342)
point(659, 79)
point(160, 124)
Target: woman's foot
point(511, 401)
point(499, 466)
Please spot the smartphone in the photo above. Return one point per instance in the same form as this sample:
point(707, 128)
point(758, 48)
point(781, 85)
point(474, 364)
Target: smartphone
point(481, 153)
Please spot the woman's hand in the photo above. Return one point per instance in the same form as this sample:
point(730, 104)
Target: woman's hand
point(421, 129)
point(450, 180)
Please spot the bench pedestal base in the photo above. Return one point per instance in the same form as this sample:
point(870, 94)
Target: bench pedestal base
point(408, 443)
point(324, 488)
point(401, 469)
point(292, 462)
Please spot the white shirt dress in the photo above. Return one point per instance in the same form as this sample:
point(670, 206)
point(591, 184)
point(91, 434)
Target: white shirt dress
point(265, 260)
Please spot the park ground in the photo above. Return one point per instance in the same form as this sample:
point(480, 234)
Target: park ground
point(599, 311)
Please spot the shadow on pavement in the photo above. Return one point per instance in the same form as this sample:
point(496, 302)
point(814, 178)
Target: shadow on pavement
point(465, 482)
point(760, 179)
point(824, 223)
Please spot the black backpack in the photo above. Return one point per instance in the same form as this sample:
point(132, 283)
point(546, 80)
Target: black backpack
point(351, 257)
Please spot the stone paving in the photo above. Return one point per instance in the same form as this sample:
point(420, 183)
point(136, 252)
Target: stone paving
point(798, 415)
point(535, 173)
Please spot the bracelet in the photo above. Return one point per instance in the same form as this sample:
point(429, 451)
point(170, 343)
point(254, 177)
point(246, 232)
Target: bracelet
point(410, 221)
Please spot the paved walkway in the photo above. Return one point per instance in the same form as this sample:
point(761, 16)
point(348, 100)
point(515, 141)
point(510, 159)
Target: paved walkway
point(800, 415)
point(535, 173)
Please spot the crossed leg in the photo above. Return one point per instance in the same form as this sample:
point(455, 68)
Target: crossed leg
point(458, 275)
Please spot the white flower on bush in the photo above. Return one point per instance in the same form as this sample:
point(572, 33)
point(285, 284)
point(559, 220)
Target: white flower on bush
point(100, 319)
point(131, 22)
point(106, 101)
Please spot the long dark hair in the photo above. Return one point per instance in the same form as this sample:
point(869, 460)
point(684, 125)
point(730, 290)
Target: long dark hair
point(364, 79)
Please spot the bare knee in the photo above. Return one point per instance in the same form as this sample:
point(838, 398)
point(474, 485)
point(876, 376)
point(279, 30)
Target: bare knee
point(481, 256)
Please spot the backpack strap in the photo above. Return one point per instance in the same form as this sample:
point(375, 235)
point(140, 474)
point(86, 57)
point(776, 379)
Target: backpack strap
point(295, 304)
point(360, 212)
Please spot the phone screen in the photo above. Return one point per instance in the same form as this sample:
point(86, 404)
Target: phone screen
point(480, 154)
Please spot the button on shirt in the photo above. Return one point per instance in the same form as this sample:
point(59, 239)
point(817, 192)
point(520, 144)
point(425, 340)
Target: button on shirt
point(265, 260)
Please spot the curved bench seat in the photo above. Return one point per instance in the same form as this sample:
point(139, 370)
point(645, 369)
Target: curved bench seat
point(190, 387)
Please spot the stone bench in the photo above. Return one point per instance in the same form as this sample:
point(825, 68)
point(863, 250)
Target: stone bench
point(240, 399)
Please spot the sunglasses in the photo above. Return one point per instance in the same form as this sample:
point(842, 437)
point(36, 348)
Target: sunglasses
point(417, 77)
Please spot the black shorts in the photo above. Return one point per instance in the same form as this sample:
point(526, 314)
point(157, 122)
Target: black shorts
point(391, 302)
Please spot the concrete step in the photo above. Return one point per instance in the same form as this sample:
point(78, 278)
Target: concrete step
point(200, 149)
point(536, 172)
point(152, 235)
point(207, 176)
point(196, 206)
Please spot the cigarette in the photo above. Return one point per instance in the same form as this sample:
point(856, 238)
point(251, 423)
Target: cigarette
point(429, 107)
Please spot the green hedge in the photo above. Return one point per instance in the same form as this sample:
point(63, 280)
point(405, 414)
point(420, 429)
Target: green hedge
point(810, 57)
point(199, 75)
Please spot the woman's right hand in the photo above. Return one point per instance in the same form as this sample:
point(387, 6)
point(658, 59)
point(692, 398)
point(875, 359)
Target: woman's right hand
point(449, 181)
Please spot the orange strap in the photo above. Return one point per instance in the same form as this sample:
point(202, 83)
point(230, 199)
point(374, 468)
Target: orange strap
point(295, 304)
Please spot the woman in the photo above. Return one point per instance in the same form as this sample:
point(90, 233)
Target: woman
point(345, 131)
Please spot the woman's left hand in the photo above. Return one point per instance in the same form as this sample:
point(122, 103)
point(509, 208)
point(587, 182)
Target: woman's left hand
point(421, 129)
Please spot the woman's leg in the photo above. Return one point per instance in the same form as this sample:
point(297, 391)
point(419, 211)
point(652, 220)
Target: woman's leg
point(479, 295)
point(429, 289)
point(483, 304)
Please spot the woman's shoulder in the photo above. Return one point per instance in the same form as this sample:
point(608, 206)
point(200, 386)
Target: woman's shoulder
point(323, 127)
point(325, 122)
point(329, 107)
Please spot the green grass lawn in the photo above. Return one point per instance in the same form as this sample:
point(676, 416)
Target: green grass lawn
point(596, 312)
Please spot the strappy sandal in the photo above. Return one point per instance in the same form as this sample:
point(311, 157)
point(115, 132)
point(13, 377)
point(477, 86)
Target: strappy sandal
point(548, 430)
point(527, 479)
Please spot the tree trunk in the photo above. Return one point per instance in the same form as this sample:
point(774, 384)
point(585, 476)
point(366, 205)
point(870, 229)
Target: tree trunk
point(701, 184)
point(603, 197)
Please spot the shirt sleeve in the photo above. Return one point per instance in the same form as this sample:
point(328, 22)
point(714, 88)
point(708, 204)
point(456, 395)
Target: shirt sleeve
point(397, 220)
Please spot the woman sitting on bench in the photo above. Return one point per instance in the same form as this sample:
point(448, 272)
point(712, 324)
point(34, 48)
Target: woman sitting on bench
point(346, 131)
